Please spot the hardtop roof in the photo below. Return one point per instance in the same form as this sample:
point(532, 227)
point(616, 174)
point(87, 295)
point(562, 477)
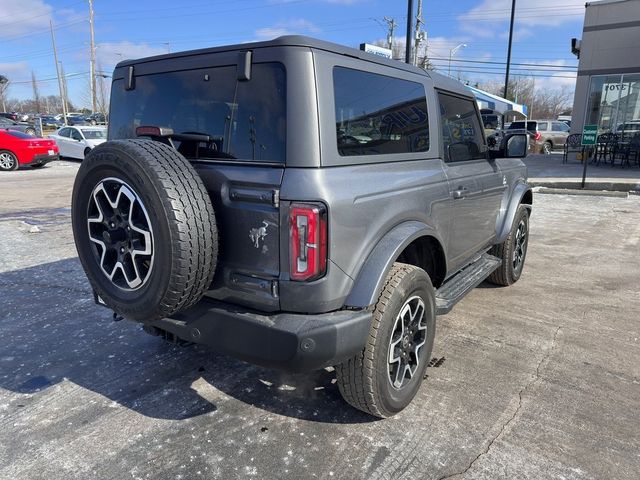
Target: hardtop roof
point(439, 81)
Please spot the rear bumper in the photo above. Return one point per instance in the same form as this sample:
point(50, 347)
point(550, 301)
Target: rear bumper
point(41, 160)
point(288, 341)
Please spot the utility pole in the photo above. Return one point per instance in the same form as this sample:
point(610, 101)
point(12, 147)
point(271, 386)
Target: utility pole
point(419, 33)
point(506, 77)
point(55, 56)
point(92, 61)
point(391, 24)
point(409, 38)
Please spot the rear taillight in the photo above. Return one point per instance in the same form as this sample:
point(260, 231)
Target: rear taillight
point(307, 241)
point(537, 136)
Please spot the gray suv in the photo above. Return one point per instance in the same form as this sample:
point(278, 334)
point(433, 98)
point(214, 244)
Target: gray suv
point(299, 205)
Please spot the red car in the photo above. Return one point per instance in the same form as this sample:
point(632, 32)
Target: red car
point(17, 148)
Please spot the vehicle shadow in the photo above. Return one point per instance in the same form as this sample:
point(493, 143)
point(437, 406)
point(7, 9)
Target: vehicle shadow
point(52, 333)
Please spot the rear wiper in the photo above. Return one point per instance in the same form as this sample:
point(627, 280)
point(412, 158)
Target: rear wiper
point(169, 134)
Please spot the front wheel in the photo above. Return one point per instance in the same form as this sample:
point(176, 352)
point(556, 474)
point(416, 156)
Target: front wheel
point(512, 251)
point(30, 131)
point(385, 376)
point(546, 148)
point(8, 161)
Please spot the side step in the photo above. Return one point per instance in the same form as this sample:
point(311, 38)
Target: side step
point(463, 282)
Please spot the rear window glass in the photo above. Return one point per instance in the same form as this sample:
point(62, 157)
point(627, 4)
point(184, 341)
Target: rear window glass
point(16, 134)
point(245, 119)
point(376, 114)
point(94, 134)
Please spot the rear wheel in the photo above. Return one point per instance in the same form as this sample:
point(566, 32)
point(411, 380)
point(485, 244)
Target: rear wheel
point(8, 161)
point(86, 152)
point(546, 148)
point(384, 378)
point(144, 228)
point(513, 251)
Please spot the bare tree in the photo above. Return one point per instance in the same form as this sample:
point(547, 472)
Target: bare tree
point(398, 52)
point(541, 102)
point(36, 93)
point(4, 88)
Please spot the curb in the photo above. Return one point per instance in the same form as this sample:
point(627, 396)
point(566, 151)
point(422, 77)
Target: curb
point(589, 185)
point(572, 191)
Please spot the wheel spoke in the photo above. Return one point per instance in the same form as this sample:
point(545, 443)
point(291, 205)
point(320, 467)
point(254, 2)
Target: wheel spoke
point(407, 339)
point(124, 250)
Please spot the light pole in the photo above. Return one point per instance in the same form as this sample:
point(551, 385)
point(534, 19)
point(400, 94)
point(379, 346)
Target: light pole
point(453, 51)
point(3, 81)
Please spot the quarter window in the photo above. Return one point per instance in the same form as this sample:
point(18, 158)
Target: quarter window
point(462, 137)
point(543, 126)
point(377, 115)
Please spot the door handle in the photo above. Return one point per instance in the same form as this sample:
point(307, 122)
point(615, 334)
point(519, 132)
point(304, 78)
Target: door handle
point(461, 192)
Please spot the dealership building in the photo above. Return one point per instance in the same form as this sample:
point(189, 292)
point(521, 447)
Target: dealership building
point(608, 83)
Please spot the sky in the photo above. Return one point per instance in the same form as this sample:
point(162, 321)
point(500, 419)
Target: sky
point(138, 28)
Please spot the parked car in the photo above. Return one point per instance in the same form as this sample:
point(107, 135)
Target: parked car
point(10, 116)
point(547, 135)
point(97, 119)
point(337, 217)
point(77, 142)
point(19, 149)
point(51, 122)
point(27, 128)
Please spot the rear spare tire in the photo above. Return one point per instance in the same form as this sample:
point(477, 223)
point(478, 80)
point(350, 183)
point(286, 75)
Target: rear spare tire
point(144, 228)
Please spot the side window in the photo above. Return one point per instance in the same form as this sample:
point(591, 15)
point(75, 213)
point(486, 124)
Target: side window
point(64, 132)
point(543, 126)
point(75, 134)
point(376, 114)
point(559, 127)
point(461, 131)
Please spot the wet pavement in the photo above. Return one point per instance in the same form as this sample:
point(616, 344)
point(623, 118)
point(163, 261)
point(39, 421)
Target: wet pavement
point(537, 380)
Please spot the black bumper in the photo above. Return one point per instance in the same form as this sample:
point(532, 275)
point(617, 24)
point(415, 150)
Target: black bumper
point(41, 160)
point(288, 341)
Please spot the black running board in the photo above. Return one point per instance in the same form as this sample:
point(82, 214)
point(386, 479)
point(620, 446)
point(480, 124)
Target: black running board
point(463, 282)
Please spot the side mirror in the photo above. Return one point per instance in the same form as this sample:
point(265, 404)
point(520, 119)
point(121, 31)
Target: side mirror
point(515, 145)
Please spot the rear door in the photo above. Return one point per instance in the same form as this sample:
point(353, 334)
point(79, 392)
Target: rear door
point(241, 164)
point(62, 140)
point(476, 183)
point(560, 132)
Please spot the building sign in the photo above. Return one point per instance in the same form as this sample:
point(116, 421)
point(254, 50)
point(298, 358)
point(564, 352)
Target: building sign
point(589, 134)
point(380, 51)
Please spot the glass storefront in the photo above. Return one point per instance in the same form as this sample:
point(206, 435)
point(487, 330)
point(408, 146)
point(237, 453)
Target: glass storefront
point(614, 104)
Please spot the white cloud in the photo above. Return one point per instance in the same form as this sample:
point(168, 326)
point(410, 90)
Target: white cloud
point(483, 19)
point(108, 54)
point(15, 70)
point(23, 17)
point(289, 27)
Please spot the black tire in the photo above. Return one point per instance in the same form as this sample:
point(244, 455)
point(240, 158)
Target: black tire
point(365, 380)
point(546, 148)
point(510, 270)
point(87, 151)
point(30, 131)
point(181, 222)
point(9, 161)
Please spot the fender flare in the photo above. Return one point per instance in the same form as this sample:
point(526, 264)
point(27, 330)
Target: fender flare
point(520, 190)
point(370, 279)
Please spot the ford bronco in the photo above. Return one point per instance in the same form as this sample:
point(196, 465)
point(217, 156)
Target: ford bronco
point(299, 205)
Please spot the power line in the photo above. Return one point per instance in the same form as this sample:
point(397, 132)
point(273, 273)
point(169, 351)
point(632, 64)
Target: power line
point(504, 63)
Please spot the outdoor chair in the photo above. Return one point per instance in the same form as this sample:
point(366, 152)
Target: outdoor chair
point(573, 145)
point(605, 148)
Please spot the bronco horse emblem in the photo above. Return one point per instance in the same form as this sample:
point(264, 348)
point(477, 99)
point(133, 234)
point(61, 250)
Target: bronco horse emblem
point(257, 234)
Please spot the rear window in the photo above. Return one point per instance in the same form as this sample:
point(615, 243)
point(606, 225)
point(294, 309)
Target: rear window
point(376, 114)
point(94, 134)
point(531, 126)
point(16, 134)
point(246, 119)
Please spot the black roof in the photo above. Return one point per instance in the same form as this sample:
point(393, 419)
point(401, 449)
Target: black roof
point(440, 81)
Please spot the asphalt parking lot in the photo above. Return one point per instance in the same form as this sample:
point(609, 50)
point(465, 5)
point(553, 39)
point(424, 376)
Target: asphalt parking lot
point(537, 380)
